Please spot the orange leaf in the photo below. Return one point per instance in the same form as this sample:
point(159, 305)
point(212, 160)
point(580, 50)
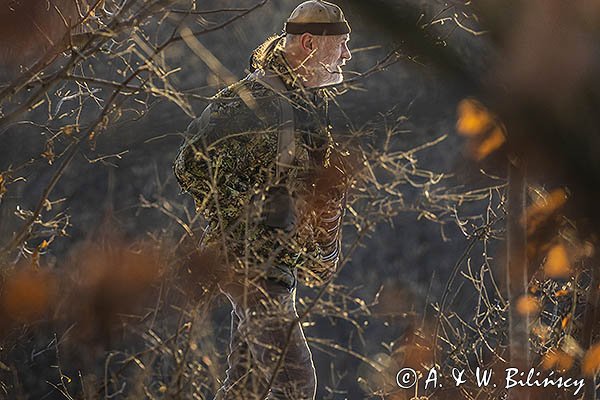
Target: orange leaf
point(527, 305)
point(550, 359)
point(543, 208)
point(557, 359)
point(565, 361)
point(27, 294)
point(489, 144)
point(534, 289)
point(557, 262)
point(556, 199)
point(473, 118)
point(591, 361)
point(565, 321)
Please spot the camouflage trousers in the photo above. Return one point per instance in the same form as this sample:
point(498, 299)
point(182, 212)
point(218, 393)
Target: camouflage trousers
point(264, 330)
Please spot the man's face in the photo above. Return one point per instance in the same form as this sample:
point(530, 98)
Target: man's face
point(330, 55)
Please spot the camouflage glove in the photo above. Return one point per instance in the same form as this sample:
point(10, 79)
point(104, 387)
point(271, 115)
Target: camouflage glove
point(279, 209)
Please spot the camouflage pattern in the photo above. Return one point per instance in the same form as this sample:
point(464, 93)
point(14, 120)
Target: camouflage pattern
point(227, 163)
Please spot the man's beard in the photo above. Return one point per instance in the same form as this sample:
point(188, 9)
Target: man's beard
point(331, 76)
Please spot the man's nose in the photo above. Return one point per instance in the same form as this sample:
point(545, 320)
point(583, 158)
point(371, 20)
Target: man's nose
point(346, 55)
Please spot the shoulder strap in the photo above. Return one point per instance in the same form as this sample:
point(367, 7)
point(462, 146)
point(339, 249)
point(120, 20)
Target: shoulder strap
point(286, 145)
point(199, 125)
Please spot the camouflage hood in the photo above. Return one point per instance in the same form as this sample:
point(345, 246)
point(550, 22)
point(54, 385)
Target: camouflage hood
point(270, 55)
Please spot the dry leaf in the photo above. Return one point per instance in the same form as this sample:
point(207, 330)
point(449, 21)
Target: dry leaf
point(27, 294)
point(591, 361)
point(490, 144)
point(543, 208)
point(557, 359)
point(528, 305)
point(565, 321)
point(557, 262)
point(473, 118)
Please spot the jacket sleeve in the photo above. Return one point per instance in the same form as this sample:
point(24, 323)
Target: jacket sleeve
point(327, 209)
point(190, 167)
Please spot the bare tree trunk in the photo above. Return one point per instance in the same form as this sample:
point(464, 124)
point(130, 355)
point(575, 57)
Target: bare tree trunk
point(516, 273)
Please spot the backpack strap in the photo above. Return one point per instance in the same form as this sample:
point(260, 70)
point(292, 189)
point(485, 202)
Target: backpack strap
point(200, 125)
point(286, 145)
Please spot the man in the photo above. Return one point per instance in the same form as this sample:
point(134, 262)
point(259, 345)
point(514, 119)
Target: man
point(264, 170)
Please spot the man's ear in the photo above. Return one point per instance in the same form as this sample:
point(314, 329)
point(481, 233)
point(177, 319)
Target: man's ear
point(307, 42)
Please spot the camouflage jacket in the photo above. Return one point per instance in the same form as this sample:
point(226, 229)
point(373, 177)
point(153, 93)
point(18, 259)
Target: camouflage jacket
point(228, 164)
